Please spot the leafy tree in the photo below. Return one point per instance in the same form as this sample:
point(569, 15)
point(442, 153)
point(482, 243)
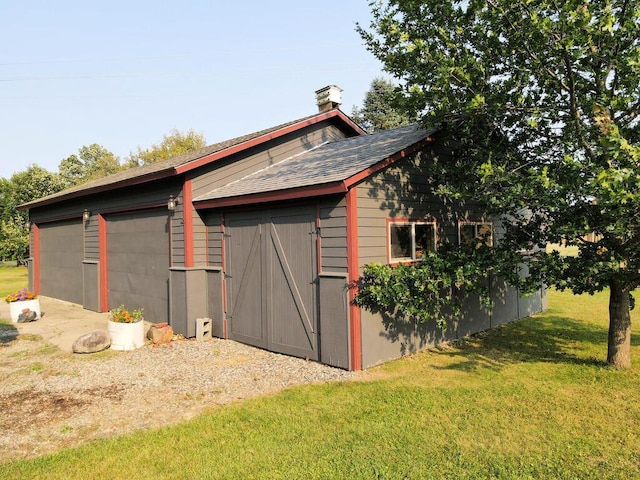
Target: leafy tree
point(33, 183)
point(543, 99)
point(93, 161)
point(14, 240)
point(379, 110)
point(172, 144)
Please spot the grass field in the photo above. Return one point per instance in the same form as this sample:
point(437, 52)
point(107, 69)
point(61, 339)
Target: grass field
point(531, 399)
point(12, 279)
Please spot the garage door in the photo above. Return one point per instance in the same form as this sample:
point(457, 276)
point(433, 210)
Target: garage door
point(138, 262)
point(271, 280)
point(61, 255)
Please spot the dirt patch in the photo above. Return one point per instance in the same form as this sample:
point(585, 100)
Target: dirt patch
point(51, 399)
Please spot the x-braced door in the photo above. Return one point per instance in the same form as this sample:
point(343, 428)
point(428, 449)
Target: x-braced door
point(272, 280)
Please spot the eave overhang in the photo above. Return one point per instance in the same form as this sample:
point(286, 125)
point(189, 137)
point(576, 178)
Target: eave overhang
point(182, 169)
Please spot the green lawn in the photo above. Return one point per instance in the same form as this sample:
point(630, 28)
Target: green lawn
point(529, 400)
point(12, 279)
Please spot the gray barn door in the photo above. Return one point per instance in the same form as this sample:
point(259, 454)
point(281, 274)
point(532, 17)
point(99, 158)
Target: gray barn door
point(138, 262)
point(271, 280)
point(61, 255)
point(245, 279)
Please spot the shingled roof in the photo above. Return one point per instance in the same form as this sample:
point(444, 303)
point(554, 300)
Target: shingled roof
point(182, 163)
point(331, 164)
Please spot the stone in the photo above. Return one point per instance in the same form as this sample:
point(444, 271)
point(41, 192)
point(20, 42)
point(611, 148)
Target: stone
point(92, 342)
point(160, 333)
point(27, 316)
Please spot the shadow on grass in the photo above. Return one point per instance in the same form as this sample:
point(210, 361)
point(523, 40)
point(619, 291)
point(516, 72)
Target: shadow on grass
point(547, 338)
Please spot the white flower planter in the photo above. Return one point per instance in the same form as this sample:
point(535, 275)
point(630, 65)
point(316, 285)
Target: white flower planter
point(126, 336)
point(16, 308)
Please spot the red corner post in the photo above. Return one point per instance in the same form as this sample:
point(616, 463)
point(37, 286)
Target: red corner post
point(187, 215)
point(104, 277)
point(353, 275)
point(35, 254)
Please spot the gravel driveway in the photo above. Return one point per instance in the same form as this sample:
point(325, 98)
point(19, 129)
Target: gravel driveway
point(50, 399)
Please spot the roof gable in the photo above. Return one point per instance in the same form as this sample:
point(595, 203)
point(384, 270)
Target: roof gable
point(329, 168)
point(195, 159)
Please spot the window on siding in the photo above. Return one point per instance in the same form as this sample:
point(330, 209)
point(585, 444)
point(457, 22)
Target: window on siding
point(409, 240)
point(475, 233)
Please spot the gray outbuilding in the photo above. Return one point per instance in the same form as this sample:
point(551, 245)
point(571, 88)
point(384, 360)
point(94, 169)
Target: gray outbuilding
point(263, 234)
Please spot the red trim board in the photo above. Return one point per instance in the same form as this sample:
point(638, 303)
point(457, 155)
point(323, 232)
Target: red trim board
point(187, 215)
point(358, 177)
point(266, 137)
point(276, 196)
point(35, 231)
point(102, 246)
point(353, 274)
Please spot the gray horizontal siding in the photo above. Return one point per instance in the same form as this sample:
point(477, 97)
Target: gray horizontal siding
point(333, 231)
point(402, 191)
point(239, 165)
point(199, 240)
point(177, 237)
point(215, 238)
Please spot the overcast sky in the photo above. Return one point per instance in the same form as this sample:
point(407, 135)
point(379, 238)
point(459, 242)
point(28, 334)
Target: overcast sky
point(124, 73)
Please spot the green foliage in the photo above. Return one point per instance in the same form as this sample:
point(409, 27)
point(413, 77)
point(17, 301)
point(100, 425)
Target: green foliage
point(379, 109)
point(173, 144)
point(524, 401)
point(93, 161)
point(33, 183)
point(541, 99)
point(431, 290)
point(14, 239)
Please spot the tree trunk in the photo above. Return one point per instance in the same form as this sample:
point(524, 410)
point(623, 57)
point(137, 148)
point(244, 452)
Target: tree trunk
point(619, 351)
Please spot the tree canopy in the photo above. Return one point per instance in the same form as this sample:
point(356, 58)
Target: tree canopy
point(379, 109)
point(93, 161)
point(543, 99)
point(172, 144)
point(35, 182)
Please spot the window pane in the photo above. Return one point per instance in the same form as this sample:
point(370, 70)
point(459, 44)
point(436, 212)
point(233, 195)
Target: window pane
point(467, 233)
point(400, 241)
point(425, 239)
point(485, 234)
point(476, 234)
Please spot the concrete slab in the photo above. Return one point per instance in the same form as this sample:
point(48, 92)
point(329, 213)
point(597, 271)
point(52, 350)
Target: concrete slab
point(61, 323)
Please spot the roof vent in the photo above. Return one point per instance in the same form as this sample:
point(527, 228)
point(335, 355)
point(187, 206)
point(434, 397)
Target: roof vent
point(328, 97)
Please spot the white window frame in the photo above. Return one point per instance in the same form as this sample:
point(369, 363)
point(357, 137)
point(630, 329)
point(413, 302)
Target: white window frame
point(465, 223)
point(412, 223)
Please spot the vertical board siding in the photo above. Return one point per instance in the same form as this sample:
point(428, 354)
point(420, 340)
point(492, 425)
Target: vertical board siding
point(215, 302)
point(271, 279)
point(91, 286)
point(61, 256)
point(138, 262)
point(118, 200)
point(334, 320)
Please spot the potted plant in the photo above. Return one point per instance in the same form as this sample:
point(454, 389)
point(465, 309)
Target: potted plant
point(22, 301)
point(126, 328)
